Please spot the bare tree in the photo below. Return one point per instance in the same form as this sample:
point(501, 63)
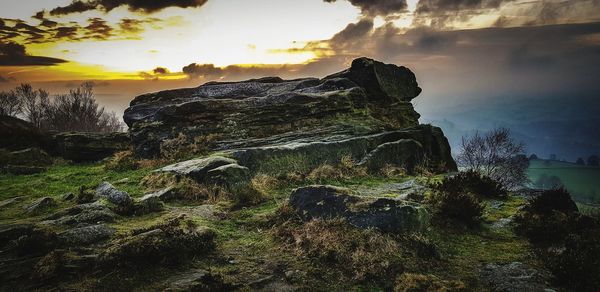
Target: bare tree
point(35, 103)
point(78, 111)
point(497, 155)
point(10, 104)
point(75, 111)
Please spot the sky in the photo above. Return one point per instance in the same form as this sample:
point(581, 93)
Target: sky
point(530, 65)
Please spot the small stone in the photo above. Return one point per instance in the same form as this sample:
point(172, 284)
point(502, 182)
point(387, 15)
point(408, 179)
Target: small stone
point(117, 197)
point(40, 204)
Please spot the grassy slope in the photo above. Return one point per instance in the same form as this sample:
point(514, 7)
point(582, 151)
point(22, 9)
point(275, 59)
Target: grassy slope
point(582, 181)
point(247, 252)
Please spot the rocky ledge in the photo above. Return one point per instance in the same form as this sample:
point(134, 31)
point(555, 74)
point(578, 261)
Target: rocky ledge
point(364, 112)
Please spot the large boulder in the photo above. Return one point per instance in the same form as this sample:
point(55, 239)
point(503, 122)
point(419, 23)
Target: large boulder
point(88, 147)
point(197, 169)
point(387, 215)
point(369, 97)
point(17, 134)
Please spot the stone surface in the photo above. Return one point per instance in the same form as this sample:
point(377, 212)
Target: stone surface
point(40, 204)
point(228, 174)
point(17, 134)
point(197, 169)
point(86, 235)
point(26, 157)
point(369, 97)
point(91, 213)
point(196, 280)
point(384, 214)
point(434, 150)
point(165, 195)
point(87, 147)
point(117, 197)
point(514, 277)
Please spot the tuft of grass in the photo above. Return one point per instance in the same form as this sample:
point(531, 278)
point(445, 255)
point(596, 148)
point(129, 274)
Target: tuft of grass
point(122, 161)
point(360, 254)
point(408, 282)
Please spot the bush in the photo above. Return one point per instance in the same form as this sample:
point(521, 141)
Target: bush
point(408, 282)
point(183, 146)
point(358, 254)
point(548, 218)
point(122, 161)
point(552, 200)
point(471, 182)
point(461, 206)
point(578, 266)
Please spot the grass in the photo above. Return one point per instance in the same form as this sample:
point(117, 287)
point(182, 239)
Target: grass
point(247, 249)
point(583, 182)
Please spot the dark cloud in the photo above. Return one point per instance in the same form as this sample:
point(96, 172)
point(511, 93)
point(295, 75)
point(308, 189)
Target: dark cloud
point(98, 29)
point(353, 31)
point(160, 70)
point(206, 71)
point(378, 7)
point(66, 32)
point(13, 54)
point(443, 6)
point(144, 6)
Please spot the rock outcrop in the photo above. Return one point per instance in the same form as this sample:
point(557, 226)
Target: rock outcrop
point(367, 98)
point(363, 112)
point(17, 134)
point(88, 147)
point(387, 215)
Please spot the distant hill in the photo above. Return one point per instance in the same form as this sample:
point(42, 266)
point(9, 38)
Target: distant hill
point(582, 181)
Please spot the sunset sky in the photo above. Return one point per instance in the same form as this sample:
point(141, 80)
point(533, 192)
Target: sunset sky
point(525, 64)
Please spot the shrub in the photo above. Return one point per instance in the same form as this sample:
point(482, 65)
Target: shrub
point(359, 254)
point(471, 182)
point(183, 146)
point(552, 200)
point(461, 206)
point(325, 172)
point(417, 282)
point(122, 161)
point(391, 171)
point(548, 218)
point(578, 266)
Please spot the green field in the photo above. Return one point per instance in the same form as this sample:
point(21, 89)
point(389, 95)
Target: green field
point(583, 182)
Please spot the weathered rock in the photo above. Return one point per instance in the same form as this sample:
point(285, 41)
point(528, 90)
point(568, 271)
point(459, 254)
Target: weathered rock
point(198, 169)
point(329, 202)
point(86, 235)
point(166, 244)
point(514, 277)
point(82, 147)
point(16, 134)
point(403, 149)
point(165, 195)
point(197, 280)
point(14, 231)
point(404, 152)
point(148, 205)
point(26, 157)
point(91, 213)
point(228, 174)
point(369, 97)
point(40, 204)
point(117, 197)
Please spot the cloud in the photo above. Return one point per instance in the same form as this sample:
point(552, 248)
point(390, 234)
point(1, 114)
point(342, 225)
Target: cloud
point(144, 6)
point(160, 70)
point(206, 71)
point(13, 54)
point(378, 7)
point(98, 29)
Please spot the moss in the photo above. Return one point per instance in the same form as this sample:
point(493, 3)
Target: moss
point(409, 282)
